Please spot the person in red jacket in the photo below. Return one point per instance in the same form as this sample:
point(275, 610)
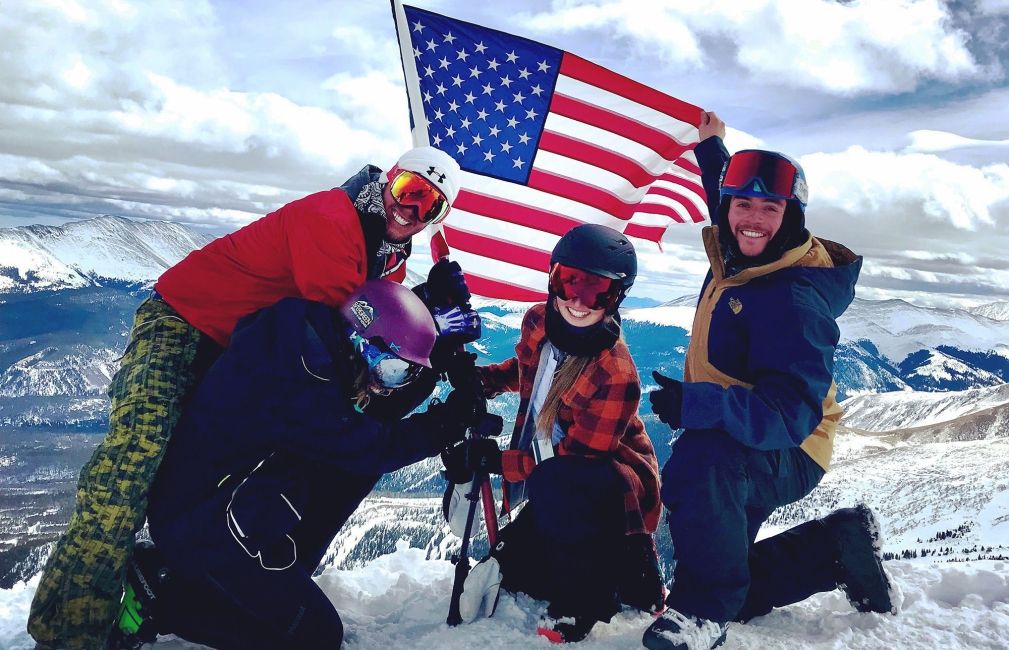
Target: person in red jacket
point(321, 248)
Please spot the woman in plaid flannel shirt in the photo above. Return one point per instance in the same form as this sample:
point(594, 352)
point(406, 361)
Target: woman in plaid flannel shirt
point(580, 466)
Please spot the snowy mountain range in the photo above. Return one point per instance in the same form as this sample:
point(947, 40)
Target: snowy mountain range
point(993, 310)
point(927, 387)
point(86, 253)
point(907, 410)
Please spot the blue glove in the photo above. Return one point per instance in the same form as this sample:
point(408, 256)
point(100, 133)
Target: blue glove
point(667, 401)
point(460, 323)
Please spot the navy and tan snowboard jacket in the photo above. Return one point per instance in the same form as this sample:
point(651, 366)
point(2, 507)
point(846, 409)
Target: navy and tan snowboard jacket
point(761, 356)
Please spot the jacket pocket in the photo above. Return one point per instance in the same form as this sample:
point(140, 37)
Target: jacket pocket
point(767, 463)
point(264, 508)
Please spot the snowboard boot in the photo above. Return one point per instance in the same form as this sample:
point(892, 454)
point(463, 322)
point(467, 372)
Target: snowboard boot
point(640, 583)
point(137, 622)
point(859, 559)
point(564, 629)
point(676, 631)
point(481, 590)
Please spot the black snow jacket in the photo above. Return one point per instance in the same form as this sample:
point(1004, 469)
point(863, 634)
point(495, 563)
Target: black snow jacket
point(271, 414)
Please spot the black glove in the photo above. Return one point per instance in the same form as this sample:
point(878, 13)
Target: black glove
point(446, 285)
point(466, 405)
point(667, 401)
point(445, 427)
point(454, 459)
point(463, 458)
point(460, 367)
point(483, 455)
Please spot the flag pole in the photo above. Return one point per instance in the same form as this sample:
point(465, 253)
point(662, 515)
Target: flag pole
point(417, 120)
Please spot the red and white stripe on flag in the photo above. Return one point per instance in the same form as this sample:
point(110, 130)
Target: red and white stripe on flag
point(546, 141)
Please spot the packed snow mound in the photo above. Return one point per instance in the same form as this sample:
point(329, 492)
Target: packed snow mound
point(400, 601)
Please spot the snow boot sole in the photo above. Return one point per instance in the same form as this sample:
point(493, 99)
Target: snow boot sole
point(675, 631)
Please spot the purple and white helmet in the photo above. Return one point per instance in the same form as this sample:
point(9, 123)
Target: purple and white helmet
point(393, 318)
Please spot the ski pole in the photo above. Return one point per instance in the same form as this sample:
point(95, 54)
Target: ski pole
point(462, 561)
point(480, 487)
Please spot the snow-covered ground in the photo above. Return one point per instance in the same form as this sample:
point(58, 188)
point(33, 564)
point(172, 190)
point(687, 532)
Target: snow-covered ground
point(400, 601)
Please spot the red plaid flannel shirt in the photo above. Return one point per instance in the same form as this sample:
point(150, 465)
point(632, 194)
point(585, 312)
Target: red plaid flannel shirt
point(599, 414)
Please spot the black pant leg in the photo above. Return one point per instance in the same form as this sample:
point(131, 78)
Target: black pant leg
point(705, 488)
point(797, 563)
point(222, 596)
point(244, 607)
point(576, 515)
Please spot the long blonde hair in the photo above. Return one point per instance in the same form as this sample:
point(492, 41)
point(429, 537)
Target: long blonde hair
point(564, 378)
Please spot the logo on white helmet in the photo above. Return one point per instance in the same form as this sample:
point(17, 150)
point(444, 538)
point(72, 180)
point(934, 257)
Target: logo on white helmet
point(433, 172)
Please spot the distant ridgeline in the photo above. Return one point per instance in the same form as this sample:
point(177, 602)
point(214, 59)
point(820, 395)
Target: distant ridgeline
point(67, 296)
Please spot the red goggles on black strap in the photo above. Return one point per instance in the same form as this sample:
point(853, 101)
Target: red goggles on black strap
point(592, 291)
point(411, 189)
point(761, 173)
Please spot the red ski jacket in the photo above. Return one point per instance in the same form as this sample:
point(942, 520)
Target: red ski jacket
point(312, 248)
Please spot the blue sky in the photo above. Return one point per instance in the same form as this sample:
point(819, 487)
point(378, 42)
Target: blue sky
point(214, 113)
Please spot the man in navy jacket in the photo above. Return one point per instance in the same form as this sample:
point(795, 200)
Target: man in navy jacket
point(759, 411)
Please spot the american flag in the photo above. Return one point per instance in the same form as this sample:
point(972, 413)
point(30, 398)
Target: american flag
point(546, 141)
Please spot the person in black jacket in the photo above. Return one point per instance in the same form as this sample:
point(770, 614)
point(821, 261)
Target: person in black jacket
point(276, 450)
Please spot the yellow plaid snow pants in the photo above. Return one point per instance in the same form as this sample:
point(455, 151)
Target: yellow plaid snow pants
point(81, 586)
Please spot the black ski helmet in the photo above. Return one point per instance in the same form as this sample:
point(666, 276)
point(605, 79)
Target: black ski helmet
point(601, 250)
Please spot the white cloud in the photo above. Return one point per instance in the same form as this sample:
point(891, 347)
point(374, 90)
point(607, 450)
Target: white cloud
point(993, 7)
point(377, 99)
point(934, 141)
point(883, 46)
point(221, 112)
point(872, 184)
point(652, 25)
point(126, 107)
point(736, 140)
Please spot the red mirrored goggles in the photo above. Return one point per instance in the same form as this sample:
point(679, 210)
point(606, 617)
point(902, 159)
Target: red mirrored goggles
point(410, 189)
point(592, 291)
point(760, 173)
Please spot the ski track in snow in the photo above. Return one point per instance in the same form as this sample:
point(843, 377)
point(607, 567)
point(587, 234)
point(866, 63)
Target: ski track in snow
point(401, 599)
